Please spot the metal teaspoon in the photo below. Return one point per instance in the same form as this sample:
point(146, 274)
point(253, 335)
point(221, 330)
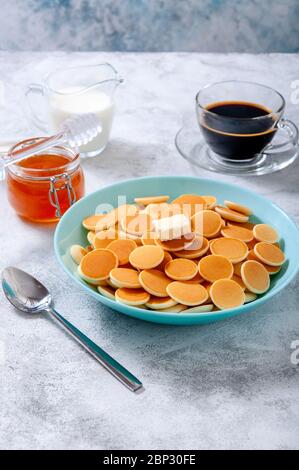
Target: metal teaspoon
point(29, 295)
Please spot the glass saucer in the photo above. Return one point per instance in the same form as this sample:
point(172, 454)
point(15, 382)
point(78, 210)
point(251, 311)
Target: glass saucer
point(277, 156)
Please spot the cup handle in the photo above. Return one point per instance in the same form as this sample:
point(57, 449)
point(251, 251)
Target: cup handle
point(35, 89)
point(293, 135)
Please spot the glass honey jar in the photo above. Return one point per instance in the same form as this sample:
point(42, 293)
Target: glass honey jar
point(42, 187)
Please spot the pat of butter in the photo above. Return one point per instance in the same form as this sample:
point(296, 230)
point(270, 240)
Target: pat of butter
point(172, 227)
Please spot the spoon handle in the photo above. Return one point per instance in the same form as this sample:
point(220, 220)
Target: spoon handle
point(116, 369)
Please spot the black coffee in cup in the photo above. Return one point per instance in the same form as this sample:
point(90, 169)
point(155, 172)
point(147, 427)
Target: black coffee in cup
point(237, 130)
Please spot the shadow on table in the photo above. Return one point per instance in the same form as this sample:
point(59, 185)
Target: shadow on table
point(239, 355)
point(123, 159)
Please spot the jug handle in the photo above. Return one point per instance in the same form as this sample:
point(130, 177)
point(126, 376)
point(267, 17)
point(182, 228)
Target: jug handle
point(31, 90)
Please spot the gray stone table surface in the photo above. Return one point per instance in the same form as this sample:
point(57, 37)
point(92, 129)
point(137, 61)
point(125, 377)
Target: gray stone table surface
point(224, 385)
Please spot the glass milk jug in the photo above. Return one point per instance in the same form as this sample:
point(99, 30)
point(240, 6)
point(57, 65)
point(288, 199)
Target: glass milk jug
point(75, 90)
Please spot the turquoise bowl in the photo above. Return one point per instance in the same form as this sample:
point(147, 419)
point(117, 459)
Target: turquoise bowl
point(70, 231)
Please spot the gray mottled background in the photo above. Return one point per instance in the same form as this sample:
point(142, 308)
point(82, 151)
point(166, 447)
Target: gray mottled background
point(150, 25)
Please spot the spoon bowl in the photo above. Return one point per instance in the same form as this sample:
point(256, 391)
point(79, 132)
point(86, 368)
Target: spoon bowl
point(24, 291)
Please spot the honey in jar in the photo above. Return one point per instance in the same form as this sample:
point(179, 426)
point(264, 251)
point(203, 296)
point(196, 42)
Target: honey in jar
point(42, 187)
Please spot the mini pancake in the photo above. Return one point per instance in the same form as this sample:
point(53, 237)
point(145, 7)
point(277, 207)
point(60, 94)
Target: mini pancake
point(166, 259)
point(96, 265)
point(238, 207)
point(177, 244)
point(90, 237)
point(255, 277)
point(125, 277)
point(137, 224)
point(77, 252)
point(154, 282)
point(226, 293)
point(214, 267)
point(239, 281)
point(113, 217)
point(175, 309)
point(190, 203)
point(198, 243)
point(128, 236)
point(206, 223)
point(159, 211)
point(250, 297)
point(210, 201)
point(146, 257)
point(232, 248)
point(106, 221)
point(126, 209)
point(237, 232)
point(122, 249)
point(202, 247)
point(158, 303)
point(247, 225)
point(90, 222)
point(148, 238)
point(271, 269)
point(189, 199)
point(187, 294)
point(111, 284)
point(181, 269)
point(269, 254)
point(231, 215)
point(133, 297)
point(237, 269)
point(265, 233)
point(200, 308)
point(103, 238)
point(145, 201)
point(107, 291)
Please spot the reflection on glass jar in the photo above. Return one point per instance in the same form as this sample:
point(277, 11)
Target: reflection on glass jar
point(42, 187)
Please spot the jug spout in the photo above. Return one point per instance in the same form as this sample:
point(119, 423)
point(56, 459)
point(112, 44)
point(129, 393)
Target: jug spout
point(117, 81)
point(109, 86)
point(120, 80)
point(109, 78)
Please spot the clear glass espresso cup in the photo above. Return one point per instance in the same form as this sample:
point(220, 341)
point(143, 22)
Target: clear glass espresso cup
point(239, 119)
